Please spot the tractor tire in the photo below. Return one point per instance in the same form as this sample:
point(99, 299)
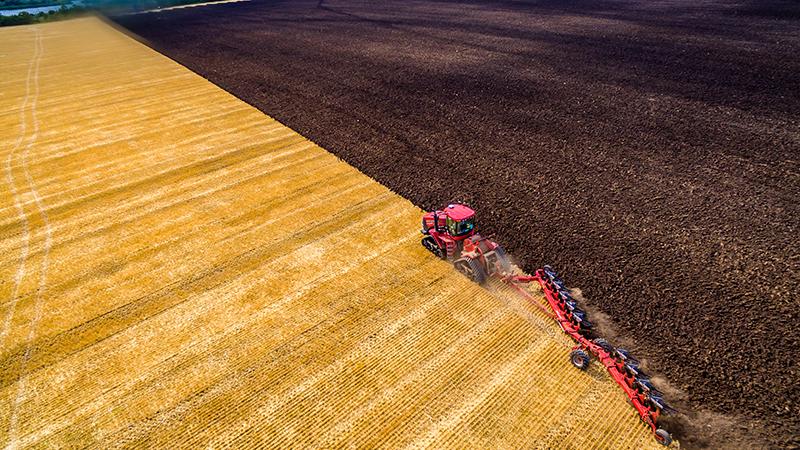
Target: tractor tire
point(502, 260)
point(663, 437)
point(472, 269)
point(579, 359)
point(430, 243)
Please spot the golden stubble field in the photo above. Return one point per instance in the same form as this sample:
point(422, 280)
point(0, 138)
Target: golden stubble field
point(179, 270)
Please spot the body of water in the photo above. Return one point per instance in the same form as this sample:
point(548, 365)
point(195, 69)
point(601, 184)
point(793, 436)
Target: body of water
point(36, 10)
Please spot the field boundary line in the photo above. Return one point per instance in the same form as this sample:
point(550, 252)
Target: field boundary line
point(276, 306)
point(190, 5)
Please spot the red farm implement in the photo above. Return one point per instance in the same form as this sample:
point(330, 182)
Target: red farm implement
point(451, 234)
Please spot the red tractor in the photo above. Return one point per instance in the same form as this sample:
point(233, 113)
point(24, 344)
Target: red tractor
point(451, 234)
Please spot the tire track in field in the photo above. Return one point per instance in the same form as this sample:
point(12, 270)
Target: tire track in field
point(198, 362)
point(39, 50)
point(23, 218)
point(54, 422)
point(165, 177)
point(68, 342)
point(96, 223)
point(78, 157)
point(215, 271)
point(92, 268)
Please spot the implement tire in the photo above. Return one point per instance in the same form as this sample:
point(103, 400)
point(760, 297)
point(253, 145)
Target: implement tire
point(663, 437)
point(579, 359)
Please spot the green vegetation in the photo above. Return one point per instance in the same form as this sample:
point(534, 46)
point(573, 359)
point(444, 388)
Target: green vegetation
point(16, 4)
point(69, 10)
point(27, 18)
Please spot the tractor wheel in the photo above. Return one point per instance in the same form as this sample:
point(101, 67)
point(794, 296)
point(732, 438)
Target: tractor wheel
point(472, 269)
point(430, 243)
point(663, 437)
point(579, 359)
point(502, 260)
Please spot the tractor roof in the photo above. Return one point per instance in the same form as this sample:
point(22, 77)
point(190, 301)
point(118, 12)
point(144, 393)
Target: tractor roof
point(459, 212)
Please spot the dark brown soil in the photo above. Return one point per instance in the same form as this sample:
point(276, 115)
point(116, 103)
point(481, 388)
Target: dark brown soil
point(649, 150)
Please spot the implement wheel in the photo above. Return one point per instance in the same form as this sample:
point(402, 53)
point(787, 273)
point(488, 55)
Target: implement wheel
point(579, 359)
point(472, 269)
point(663, 437)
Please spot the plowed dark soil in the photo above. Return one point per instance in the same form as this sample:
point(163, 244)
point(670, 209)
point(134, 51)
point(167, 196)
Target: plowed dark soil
point(649, 150)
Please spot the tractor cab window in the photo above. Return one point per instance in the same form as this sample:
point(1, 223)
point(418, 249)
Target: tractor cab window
point(460, 227)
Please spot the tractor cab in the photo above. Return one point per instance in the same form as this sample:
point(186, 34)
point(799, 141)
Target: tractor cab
point(460, 220)
point(457, 222)
point(460, 227)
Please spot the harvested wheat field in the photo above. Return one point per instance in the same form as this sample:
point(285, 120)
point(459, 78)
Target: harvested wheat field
point(649, 150)
point(179, 270)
